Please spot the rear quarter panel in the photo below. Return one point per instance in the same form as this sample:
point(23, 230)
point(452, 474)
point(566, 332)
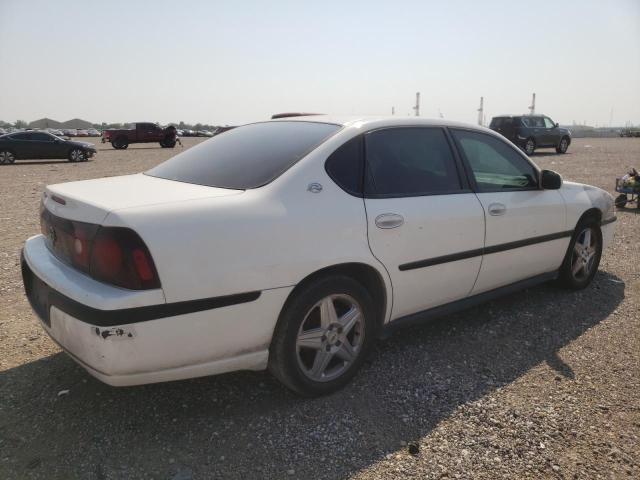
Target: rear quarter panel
point(265, 238)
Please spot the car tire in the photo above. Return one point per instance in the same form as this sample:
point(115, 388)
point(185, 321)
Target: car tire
point(7, 157)
point(621, 200)
point(563, 145)
point(529, 146)
point(583, 256)
point(323, 335)
point(120, 143)
point(77, 155)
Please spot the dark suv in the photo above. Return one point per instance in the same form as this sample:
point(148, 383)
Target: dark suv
point(532, 131)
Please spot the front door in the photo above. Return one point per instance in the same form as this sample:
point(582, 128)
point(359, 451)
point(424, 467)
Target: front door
point(551, 135)
point(525, 225)
point(424, 223)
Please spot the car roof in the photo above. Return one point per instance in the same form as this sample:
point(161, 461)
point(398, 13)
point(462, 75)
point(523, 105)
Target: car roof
point(509, 115)
point(372, 122)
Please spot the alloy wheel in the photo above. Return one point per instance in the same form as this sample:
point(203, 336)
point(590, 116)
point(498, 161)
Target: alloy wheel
point(529, 147)
point(77, 155)
point(6, 157)
point(584, 254)
point(563, 145)
point(330, 338)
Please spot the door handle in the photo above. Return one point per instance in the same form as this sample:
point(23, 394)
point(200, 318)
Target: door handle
point(389, 220)
point(497, 209)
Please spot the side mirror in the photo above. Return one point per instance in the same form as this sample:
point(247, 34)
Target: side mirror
point(550, 180)
point(557, 124)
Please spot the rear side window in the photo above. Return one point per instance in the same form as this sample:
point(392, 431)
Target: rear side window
point(409, 162)
point(496, 122)
point(345, 166)
point(245, 157)
point(496, 166)
point(22, 136)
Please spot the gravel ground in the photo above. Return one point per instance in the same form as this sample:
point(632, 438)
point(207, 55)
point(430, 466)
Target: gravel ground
point(540, 384)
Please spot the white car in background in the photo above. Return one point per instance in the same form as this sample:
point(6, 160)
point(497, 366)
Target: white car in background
point(293, 244)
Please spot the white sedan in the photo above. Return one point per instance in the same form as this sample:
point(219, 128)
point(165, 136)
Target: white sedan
point(294, 244)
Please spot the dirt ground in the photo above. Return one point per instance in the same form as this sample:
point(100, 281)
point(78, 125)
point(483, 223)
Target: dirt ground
point(540, 384)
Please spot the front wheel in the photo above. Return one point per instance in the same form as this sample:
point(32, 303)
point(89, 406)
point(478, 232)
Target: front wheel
point(583, 257)
point(323, 336)
point(77, 155)
point(563, 145)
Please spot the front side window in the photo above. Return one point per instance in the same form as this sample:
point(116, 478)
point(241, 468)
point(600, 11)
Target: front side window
point(549, 123)
point(246, 157)
point(409, 161)
point(496, 166)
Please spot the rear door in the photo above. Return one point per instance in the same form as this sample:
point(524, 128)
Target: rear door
point(424, 223)
point(22, 145)
point(525, 225)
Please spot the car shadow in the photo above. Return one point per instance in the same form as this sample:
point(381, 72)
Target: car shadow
point(25, 163)
point(549, 154)
point(247, 425)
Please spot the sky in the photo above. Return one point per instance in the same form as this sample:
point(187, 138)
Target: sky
point(234, 62)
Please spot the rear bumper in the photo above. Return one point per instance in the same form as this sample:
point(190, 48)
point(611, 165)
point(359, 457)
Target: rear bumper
point(130, 345)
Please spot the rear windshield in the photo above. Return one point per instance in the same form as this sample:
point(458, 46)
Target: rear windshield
point(245, 157)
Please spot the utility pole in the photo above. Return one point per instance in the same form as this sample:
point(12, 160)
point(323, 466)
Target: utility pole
point(481, 112)
point(417, 105)
point(532, 107)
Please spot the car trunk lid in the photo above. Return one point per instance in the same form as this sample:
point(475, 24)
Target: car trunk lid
point(92, 200)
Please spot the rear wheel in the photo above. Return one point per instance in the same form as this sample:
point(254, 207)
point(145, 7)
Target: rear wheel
point(323, 336)
point(529, 146)
point(120, 143)
point(563, 145)
point(6, 157)
point(583, 257)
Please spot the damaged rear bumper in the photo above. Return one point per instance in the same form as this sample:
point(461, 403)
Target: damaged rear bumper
point(137, 339)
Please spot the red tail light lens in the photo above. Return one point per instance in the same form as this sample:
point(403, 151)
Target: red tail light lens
point(113, 255)
point(120, 257)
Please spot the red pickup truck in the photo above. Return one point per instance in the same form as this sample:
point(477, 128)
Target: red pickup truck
point(141, 133)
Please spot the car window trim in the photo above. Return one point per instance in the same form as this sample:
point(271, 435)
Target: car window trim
point(464, 185)
point(469, 170)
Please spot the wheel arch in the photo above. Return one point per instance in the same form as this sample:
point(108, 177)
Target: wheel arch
point(592, 213)
point(368, 276)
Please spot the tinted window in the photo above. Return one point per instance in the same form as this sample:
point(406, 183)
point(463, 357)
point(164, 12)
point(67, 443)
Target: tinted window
point(22, 136)
point(42, 137)
point(536, 122)
point(496, 122)
point(495, 164)
point(344, 166)
point(409, 161)
point(245, 157)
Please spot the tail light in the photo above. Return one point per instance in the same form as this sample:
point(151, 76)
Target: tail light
point(113, 255)
point(120, 257)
